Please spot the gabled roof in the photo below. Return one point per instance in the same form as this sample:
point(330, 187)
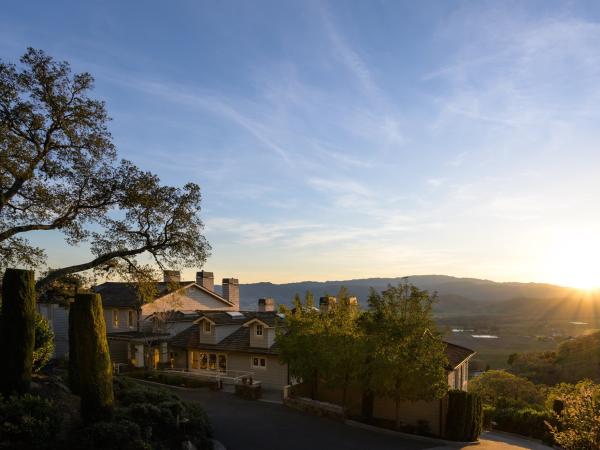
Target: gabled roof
point(269, 318)
point(457, 355)
point(125, 295)
point(238, 341)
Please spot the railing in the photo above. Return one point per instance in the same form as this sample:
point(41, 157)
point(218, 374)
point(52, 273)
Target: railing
point(234, 376)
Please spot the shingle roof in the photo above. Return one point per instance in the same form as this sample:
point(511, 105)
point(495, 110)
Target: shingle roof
point(238, 341)
point(125, 295)
point(457, 354)
point(270, 318)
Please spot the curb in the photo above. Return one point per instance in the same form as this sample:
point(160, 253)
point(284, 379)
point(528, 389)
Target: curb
point(168, 386)
point(364, 426)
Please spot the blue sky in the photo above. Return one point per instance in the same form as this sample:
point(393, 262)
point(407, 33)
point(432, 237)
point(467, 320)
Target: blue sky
point(343, 139)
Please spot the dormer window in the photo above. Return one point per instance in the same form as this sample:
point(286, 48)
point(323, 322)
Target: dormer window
point(259, 329)
point(207, 327)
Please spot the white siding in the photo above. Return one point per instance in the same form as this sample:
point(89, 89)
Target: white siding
point(58, 317)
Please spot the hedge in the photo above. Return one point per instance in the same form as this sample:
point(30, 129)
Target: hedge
point(525, 421)
point(464, 420)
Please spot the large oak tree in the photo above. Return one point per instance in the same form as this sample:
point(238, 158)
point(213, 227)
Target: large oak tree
point(59, 171)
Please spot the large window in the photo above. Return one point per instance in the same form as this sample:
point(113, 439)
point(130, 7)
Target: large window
point(195, 362)
point(209, 361)
point(259, 329)
point(115, 318)
point(130, 319)
point(259, 362)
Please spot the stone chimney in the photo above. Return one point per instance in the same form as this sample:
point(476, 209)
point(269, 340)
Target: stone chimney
point(266, 304)
point(325, 303)
point(231, 291)
point(206, 280)
point(171, 276)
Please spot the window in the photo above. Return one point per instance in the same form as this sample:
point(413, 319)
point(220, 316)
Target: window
point(259, 362)
point(212, 361)
point(204, 361)
point(259, 329)
point(222, 363)
point(194, 360)
point(130, 319)
point(207, 327)
point(115, 317)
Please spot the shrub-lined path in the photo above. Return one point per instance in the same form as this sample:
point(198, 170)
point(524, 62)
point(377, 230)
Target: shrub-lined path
point(247, 425)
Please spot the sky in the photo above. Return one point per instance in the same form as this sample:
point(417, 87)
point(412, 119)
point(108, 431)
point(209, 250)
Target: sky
point(352, 139)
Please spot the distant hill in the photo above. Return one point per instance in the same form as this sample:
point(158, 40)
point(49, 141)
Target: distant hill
point(455, 293)
point(574, 359)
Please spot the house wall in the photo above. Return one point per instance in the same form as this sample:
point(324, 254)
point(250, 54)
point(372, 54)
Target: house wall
point(410, 412)
point(459, 377)
point(259, 341)
point(191, 299)
point(118, 351)
point(58, 318)
point(274, 376)
point(123, 318)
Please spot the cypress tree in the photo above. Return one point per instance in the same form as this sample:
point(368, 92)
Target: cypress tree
point(92, 358)
point(17, 330)
point(464, 420)
point(73, 370)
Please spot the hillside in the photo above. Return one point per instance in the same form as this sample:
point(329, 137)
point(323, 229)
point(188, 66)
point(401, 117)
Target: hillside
point(573, 360)
point(454, 292)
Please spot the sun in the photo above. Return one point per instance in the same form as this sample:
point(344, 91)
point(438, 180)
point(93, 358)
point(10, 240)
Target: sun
point(574, 261)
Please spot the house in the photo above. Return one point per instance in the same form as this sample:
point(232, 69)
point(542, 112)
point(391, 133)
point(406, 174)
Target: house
point(134, 339)
point(57, 314)
point(234, 344)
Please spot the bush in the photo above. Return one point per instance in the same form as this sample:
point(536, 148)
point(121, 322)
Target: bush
point(464, 417)
point(164, 420)
point(121, 434)
point(525, 421)
point(44, 343)
point(28, 422)
point(171, 379)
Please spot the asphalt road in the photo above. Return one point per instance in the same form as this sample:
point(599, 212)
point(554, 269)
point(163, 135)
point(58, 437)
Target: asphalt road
point(247, 425)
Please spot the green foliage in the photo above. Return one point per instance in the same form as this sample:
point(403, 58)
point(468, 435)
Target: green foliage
point(405, 355)
point(164, 419)
point(578, 425)
point(93, 358)
point(52, 129)
point(17, 330)
point(28, 422)
point(524, 421)
point(464, 420)
point(122, 434)
point(171, 379)
point(575, 359)
point(44, 343)
point(503, 389)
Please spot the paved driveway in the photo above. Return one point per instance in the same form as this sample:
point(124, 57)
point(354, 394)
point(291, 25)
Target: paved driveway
point(247, 425)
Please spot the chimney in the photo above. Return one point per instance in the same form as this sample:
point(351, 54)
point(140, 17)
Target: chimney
point(171, 276)
point(325, 303)
point(266, 304)
point(206, 280)
point(231, 291)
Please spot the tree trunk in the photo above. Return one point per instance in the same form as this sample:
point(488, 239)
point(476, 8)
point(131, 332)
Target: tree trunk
point(92, 358)
point(368, 398)
point(17, 330)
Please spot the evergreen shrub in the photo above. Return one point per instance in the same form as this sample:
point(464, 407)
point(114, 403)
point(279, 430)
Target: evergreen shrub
point(464, 421)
